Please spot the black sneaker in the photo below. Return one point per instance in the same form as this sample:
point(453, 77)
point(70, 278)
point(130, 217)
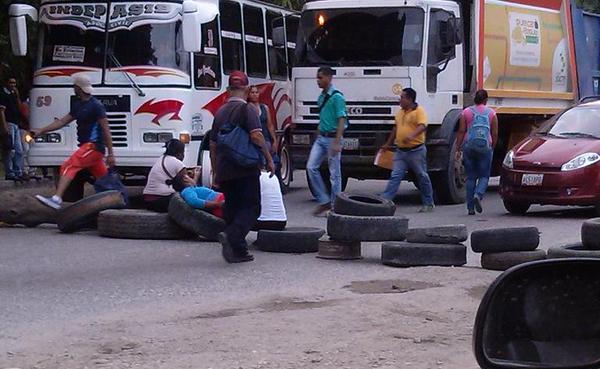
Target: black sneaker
point(471, 212)
point(241, 257)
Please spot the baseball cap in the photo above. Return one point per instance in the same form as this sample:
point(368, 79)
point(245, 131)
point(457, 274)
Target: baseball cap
point(238, 79)
point(82, 81)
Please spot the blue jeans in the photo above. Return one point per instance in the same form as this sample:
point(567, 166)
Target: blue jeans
point(415, 160)
point(321, 149)
point(13, 163)
point(478, 167)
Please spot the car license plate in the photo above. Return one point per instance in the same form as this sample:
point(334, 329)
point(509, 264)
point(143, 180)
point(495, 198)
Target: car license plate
point(350, 144)
point(532, 179)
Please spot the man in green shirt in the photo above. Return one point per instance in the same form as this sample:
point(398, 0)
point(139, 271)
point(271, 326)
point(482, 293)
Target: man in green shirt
point(332, 122)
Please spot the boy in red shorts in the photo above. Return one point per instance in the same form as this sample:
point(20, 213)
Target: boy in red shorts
point(93, 135)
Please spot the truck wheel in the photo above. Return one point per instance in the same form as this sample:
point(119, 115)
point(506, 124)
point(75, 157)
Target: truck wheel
point(363, 204)
point(449, 185)
point(286, 166)
point(404, 254)
point(196, 221)
point(507, 260)
point(139, 224)
point(84, 212)
point(365, 228)
point(325, 176)
point(516, 208)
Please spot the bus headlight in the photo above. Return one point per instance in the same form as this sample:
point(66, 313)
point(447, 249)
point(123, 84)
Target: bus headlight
point(158, 137)
point(49, 138)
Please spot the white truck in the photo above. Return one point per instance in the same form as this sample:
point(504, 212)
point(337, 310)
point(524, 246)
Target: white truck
point(159, 67)
point(521, 51)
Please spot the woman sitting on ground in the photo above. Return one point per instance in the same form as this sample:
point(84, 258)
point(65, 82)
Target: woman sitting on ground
point(199, 197)
point(159, 189)
point(272, 212)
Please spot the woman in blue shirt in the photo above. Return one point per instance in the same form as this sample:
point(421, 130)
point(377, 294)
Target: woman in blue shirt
point(199, 197)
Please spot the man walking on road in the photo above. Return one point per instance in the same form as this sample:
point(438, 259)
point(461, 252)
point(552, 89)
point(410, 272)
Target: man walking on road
point(93, 135)
point(411, 153)
point(476, 138)
point(332, 123)
point(239, 184)
point(9, 98)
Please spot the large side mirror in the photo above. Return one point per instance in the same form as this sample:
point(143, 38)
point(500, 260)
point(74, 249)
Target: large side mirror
point(541, 315)
point(279, 36)
point(450, 33)
point(194, 16)
point(18, 14)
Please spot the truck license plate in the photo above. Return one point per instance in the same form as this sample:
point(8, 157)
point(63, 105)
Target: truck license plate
point(350, 144)
point(532, 179)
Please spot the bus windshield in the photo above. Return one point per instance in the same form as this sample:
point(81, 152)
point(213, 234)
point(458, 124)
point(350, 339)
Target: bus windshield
point(361, 36)
point(67, 45)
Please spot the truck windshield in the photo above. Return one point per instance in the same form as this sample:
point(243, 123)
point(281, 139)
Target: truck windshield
point(66, 45)
point(361, 36)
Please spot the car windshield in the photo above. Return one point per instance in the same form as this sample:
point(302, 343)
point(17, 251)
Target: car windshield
point(363, 36)
point(580, 121)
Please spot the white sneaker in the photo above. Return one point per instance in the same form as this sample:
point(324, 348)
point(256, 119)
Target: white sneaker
point(53, 202)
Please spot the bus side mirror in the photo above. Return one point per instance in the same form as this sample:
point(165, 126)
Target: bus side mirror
point(279, 36)
point(541, 314)
point(18, 14)
point(194, 16)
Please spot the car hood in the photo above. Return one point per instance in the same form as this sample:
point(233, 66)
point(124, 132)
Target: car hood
point(552, 152)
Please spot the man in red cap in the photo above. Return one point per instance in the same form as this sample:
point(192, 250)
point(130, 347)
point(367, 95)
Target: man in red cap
point(239, 184)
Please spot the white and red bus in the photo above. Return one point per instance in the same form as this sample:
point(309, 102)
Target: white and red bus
point(159, 67)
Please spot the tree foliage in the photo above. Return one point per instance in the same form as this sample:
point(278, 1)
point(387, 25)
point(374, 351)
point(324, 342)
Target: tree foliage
point(589, 5)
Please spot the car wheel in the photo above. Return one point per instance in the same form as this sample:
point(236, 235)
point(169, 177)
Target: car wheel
point(517, 208)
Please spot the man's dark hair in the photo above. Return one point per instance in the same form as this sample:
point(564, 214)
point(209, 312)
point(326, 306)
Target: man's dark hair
point(326, 71)
point(412, 94)
point(480, 96)
point(174, 147)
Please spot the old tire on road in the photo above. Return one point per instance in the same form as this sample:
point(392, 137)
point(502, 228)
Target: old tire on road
point(198, 222)
point(572, 250)
point(449, 234)
point(84, 212)
point(139, 224)
point(363, 205)
point(339, 250)
point(294, 240)
point(505, 239)
point(506, 260)
point(590, 234)
point(405, 254)
point(363, 228)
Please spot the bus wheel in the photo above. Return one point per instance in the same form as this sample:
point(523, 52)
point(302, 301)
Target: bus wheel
point(286, 166)
point(449, 185)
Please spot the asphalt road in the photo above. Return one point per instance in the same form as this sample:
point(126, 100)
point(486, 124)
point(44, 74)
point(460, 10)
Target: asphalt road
point(52, 282)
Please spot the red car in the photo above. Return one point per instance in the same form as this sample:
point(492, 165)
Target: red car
point(557, 165)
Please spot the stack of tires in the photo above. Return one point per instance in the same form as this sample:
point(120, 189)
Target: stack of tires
point(589, 247)
point(504, 248)
point(360, 218)
point(439, 246)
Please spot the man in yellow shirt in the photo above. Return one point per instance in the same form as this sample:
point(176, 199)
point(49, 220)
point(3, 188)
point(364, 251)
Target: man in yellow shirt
point(411, 153)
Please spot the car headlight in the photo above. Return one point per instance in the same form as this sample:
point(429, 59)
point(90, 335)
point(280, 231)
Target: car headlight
point(508, 159)
point(581, 161)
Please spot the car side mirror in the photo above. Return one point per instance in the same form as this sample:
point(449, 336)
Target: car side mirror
point(541, 314)
point(18, 14)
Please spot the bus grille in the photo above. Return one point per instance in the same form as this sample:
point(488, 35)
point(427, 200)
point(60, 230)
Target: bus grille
point(118, 123)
